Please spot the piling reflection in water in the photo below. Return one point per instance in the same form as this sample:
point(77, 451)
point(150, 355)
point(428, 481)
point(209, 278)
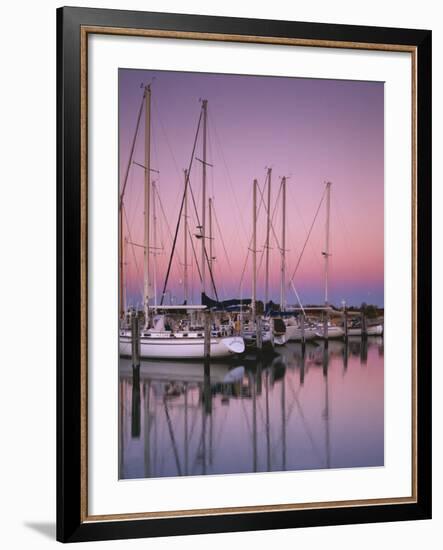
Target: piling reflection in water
point(319, 409)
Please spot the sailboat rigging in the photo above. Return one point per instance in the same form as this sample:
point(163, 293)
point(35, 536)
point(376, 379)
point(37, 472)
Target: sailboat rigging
point(327, 330)
point(174, 331)
point(196, 226)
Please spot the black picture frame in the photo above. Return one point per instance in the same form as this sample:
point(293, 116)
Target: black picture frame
point(71, 524)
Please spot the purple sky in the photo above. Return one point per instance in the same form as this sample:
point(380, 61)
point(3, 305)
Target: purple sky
point(308, 130)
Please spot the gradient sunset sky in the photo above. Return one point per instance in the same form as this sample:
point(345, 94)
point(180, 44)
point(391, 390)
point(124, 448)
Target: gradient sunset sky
point(310, 131)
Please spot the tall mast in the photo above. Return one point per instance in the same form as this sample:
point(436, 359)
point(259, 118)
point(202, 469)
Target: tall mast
point(122, 262)
point(203, 222)
point(122, 297)
point(326, 253)
point(154, 219)
point(147, 200)
point(185, 243)
point(121, 206)
point(210, 237)
point(254, 248)
point(283, 248)
point(268, 228)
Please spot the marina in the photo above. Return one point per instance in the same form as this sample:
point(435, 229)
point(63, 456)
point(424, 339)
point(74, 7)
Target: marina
point(224, 367)
point(161, 337)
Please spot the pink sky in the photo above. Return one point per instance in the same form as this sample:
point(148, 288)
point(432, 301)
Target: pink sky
point(308, 130)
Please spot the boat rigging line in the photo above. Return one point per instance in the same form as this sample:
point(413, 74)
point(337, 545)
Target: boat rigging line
point(131, 153)
point(188, 186)
point(168, 143)
point(205, 253)
point(198, 236)
point(308, 235)
point(166, 220)
point(180, 213)
point(222, 239)
point(271, 225)
point(122, 194)
point(133, 252)
point(212, 123)
point(299, 215)
point(194, 254)
point(249, 249)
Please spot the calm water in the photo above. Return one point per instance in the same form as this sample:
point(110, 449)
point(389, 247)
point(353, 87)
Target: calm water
point(323, 410)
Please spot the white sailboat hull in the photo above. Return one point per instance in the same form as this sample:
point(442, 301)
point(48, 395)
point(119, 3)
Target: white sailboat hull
point(374, 330)
point(294, 333)
point(250, 338)
point(280, 339)
point(182, 348)
point(333, 332)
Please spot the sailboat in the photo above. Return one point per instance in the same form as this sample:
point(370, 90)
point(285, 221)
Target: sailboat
point(278, 325)
point(333, 331)
point(295, 332)
point(374, 330)
point(168, 332)
point(296, 328)
point(256, 327)
point(355, 329)
point(326, 329)
point(169, 338)
point(250, 334)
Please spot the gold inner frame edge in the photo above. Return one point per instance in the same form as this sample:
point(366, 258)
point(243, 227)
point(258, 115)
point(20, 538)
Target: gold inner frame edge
point(84, 33)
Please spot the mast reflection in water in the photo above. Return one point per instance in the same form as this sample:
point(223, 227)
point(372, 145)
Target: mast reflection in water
point(323, 409)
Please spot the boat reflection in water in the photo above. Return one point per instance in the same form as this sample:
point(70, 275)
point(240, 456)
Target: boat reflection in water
point(297, 411)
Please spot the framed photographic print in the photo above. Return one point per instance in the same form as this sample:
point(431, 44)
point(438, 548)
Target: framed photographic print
point(244, 274)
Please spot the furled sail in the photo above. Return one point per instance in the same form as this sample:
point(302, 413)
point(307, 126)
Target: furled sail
point(225, 304)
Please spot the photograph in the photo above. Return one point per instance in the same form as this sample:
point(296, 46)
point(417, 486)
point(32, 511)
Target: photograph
point(244, 273)
point(251, 273)
point(220, 216)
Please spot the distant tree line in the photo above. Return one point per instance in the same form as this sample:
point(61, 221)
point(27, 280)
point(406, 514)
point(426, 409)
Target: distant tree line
point(370, 310)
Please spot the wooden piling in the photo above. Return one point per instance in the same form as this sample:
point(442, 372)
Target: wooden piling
point(207, 395)
point(302, 369)
point(325, 359)
point(325, 328)
point(186, 440)
point(303, 337)
point(364, 326)
point(258, 376)
point(207, 344)
point(253, 385)
point(259, 333)
point(364, 351)
point(135, 403)
point(345, 325)
point(135, 339)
